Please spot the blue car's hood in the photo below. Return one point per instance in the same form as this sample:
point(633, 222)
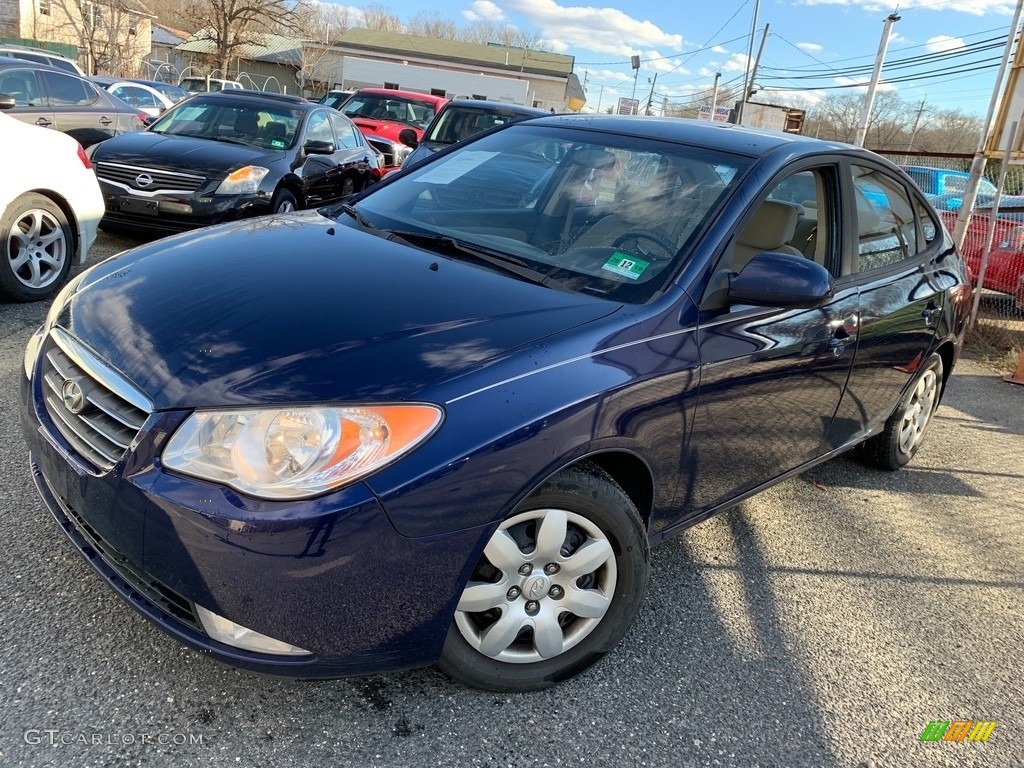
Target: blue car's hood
point(302, 309)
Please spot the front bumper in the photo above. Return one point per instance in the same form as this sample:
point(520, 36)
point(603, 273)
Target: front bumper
point(330, 575)
point(172, 213)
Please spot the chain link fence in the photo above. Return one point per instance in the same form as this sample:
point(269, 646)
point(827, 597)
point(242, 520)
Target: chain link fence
point(997, 332)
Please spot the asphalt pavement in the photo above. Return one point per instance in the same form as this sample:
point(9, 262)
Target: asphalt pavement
point(824, 623)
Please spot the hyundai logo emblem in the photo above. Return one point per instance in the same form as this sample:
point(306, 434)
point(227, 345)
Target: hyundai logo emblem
point(143, 180)
point(73, 396)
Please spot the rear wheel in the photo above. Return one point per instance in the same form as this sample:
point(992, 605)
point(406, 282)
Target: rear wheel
point(905, 429)
point(37, 246)
point(557, 587)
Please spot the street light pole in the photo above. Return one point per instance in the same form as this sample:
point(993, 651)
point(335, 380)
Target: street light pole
point(869, 99)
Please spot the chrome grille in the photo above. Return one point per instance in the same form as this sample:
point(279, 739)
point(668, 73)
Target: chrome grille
point(106, 423)
point(162, 181)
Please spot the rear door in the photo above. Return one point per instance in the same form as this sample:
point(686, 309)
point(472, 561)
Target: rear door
point(79, 109)
point(893, 255)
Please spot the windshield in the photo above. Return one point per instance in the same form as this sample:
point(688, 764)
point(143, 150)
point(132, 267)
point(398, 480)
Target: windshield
point(237, 123)
point(394, 108)
point(602, 214)
point(457, 123)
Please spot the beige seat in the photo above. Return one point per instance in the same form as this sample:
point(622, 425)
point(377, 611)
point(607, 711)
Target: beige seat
point(771, 229)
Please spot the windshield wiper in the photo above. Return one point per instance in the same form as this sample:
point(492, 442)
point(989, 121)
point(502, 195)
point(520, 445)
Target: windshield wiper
point(502, 261)
point(227, 139)
point(361, 220)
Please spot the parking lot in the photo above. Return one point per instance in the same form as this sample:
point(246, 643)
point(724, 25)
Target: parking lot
point(824, 623)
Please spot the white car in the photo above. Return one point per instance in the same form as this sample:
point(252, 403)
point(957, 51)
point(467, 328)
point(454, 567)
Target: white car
point(50, 209)
point(139, 95)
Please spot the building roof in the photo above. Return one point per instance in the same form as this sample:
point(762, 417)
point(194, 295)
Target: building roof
point(491, 55)
point(164, 35)
point(276, 49)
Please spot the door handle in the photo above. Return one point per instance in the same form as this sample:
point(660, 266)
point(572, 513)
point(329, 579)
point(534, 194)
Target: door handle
point(105, 121)
point(930, 313)
point(44, 122)
point(838, 344)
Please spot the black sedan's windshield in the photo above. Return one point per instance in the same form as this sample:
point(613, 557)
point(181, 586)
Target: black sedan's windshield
point(257, 125)
point(597, 213)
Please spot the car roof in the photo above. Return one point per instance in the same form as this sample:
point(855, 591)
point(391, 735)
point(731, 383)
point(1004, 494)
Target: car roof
point(494, 106)
point(258, 97)
point(754, 142)
point(425, 97)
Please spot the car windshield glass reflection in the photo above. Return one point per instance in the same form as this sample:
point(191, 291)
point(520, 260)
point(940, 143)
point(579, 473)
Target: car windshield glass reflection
point(257, 126)
point(414, 113)
point(600, 214)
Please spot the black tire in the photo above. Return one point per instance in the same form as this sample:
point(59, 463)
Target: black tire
point(283, 202)
point(595, 521)
point(905, 428)
point(37, 245)
point(348, 187)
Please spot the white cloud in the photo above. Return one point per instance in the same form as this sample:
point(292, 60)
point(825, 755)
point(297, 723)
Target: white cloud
point(483, 10)
point(970, 7)
point(943, 43)
point(602, 30)
point(810, 47)
point(720, 50)
point(736, 63)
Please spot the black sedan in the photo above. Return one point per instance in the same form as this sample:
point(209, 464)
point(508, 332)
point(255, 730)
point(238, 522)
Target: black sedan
point(434, 425)
point(51, 98)
point(229, 155)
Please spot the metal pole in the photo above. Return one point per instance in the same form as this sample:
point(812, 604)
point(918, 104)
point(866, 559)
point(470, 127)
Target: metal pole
point(963, 216)
point(869, 99)
point(757, 63)
point(746, 69)
point(650, 99)
point(917, 121)
point(714, 96)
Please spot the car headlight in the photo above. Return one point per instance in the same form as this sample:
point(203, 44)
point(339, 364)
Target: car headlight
point(401, 152)
point(244, 181)
point(291, 453)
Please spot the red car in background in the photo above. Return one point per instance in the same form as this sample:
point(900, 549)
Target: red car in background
point(1005, 269)
point(382, 113)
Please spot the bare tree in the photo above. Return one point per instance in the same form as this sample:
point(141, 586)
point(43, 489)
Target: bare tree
point(381, 18)
point(106, 32)
point(232, 24)
point(432, 24)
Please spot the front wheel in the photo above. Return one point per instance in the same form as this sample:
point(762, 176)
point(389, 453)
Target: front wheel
point(556, 588)
point(905, 429)
point(283, 202)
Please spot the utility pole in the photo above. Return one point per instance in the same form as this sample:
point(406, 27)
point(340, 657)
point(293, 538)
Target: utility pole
point(917, 121)
point(650, 99)
point(600, 95)
point(635, 62)
point(757, 63)
point(714, 95)
point(869, 98)
point(746, 70)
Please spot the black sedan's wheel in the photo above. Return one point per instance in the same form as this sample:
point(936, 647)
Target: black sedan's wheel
point(904, 431)
point(558, 585)
point(283, 202)
point(37, 247)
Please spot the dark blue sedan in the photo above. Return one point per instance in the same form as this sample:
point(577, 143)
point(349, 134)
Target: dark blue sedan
point(445, 421)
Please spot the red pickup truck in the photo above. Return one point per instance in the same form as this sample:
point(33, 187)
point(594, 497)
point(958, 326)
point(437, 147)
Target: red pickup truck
point(382, 113)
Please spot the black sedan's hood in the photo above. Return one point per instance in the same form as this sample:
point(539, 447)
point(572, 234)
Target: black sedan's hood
point(186, 154)
point(303, 309)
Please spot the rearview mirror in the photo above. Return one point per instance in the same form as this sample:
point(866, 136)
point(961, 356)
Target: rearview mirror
point(775, 279)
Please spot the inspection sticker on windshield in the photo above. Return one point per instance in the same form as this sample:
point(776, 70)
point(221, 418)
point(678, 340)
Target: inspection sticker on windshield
point(627, 266)
point(459, 164)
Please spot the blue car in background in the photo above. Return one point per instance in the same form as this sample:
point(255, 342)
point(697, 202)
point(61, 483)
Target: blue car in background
point(444, 421)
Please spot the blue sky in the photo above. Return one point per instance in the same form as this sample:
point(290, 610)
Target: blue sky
point(813, 46)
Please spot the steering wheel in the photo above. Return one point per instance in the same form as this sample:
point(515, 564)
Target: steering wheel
point(652, 236)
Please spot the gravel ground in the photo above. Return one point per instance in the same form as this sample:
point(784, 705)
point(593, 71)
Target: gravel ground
point(823, 623)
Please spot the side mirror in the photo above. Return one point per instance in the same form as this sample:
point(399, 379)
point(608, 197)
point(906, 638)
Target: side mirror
point(408, 137)
point(6, 102)
point(781, 280)
point(149, 121)
point(314, 147)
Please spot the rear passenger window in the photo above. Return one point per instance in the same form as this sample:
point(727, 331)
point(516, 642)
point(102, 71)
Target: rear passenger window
point(886, 222)
point(65, 91)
